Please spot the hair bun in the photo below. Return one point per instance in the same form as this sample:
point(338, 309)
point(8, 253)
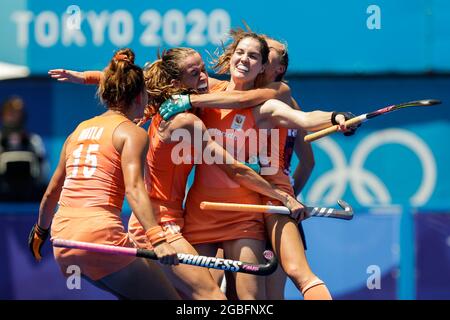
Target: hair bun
point(122, 57)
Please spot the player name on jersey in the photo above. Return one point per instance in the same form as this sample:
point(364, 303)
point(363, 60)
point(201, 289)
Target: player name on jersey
point(91, 133)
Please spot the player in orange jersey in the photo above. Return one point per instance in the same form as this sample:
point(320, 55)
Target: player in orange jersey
point(290, 140)
point(182, 68)
point(180, 75)
point(177, 69)
point(101, 161)
point(239, 58)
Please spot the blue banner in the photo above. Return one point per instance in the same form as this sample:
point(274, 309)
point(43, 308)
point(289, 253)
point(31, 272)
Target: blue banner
point(432, 255)
point(360, 259)
point(323, 36)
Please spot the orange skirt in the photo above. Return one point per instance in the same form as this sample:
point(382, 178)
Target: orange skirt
point(210, 226)
point(168, 215)
point(96, 225)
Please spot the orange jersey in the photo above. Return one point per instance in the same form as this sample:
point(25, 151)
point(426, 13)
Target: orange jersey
point(168, 172)
point(235, 130)
point(166, 184)
point(93, 169)
point(283, 152)
point(212, 184)
point(91, 199)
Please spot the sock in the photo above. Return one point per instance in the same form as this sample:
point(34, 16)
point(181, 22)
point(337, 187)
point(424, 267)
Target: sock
point(316, 290)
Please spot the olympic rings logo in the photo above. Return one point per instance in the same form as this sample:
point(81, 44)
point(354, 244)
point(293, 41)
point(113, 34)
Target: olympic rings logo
point(361, 180)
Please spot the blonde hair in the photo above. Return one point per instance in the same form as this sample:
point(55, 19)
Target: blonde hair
point(159, 75)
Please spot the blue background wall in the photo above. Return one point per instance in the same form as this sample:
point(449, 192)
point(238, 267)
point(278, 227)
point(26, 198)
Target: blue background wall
point(324, 35)
point(394, 171)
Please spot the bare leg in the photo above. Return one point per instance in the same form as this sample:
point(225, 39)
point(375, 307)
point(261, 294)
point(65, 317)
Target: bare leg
point(101, 286)
point(140, 280)
point(248, 287)
point(191, 281)
point(230, 286)
point(276, 284)
point(288, 245)
point(212, 250)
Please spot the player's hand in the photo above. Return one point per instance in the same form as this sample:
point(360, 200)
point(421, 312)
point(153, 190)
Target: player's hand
point(298, 210)
point(36, 239)
point(339, 118)
point(70, 76)
point(166, 253)
point(176, 104)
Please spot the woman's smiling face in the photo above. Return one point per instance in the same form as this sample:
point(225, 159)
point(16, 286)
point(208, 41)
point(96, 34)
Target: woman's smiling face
point(246, 61)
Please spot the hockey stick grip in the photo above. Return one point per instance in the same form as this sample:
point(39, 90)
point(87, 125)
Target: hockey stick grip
point(327, 131)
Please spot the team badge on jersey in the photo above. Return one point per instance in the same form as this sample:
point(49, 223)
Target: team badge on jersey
point(238, 122)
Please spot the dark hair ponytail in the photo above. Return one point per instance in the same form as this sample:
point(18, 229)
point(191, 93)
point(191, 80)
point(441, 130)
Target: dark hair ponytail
point(122, 81)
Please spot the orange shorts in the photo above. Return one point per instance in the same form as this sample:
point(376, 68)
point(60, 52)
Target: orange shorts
point(209, 226)
point(96, 225)
point(170, 218)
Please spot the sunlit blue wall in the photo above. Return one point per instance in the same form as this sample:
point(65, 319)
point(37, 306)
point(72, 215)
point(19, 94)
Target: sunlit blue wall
point(353, 36)
point(394, 171)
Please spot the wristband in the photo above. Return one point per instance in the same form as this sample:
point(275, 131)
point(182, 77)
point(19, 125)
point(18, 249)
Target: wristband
point(41, 232)
point(92, 77)
point(333, 118)
point(155, 235)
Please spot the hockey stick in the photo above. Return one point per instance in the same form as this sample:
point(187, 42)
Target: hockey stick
point(194, 260)
point(367, 116)
point(346, 213)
